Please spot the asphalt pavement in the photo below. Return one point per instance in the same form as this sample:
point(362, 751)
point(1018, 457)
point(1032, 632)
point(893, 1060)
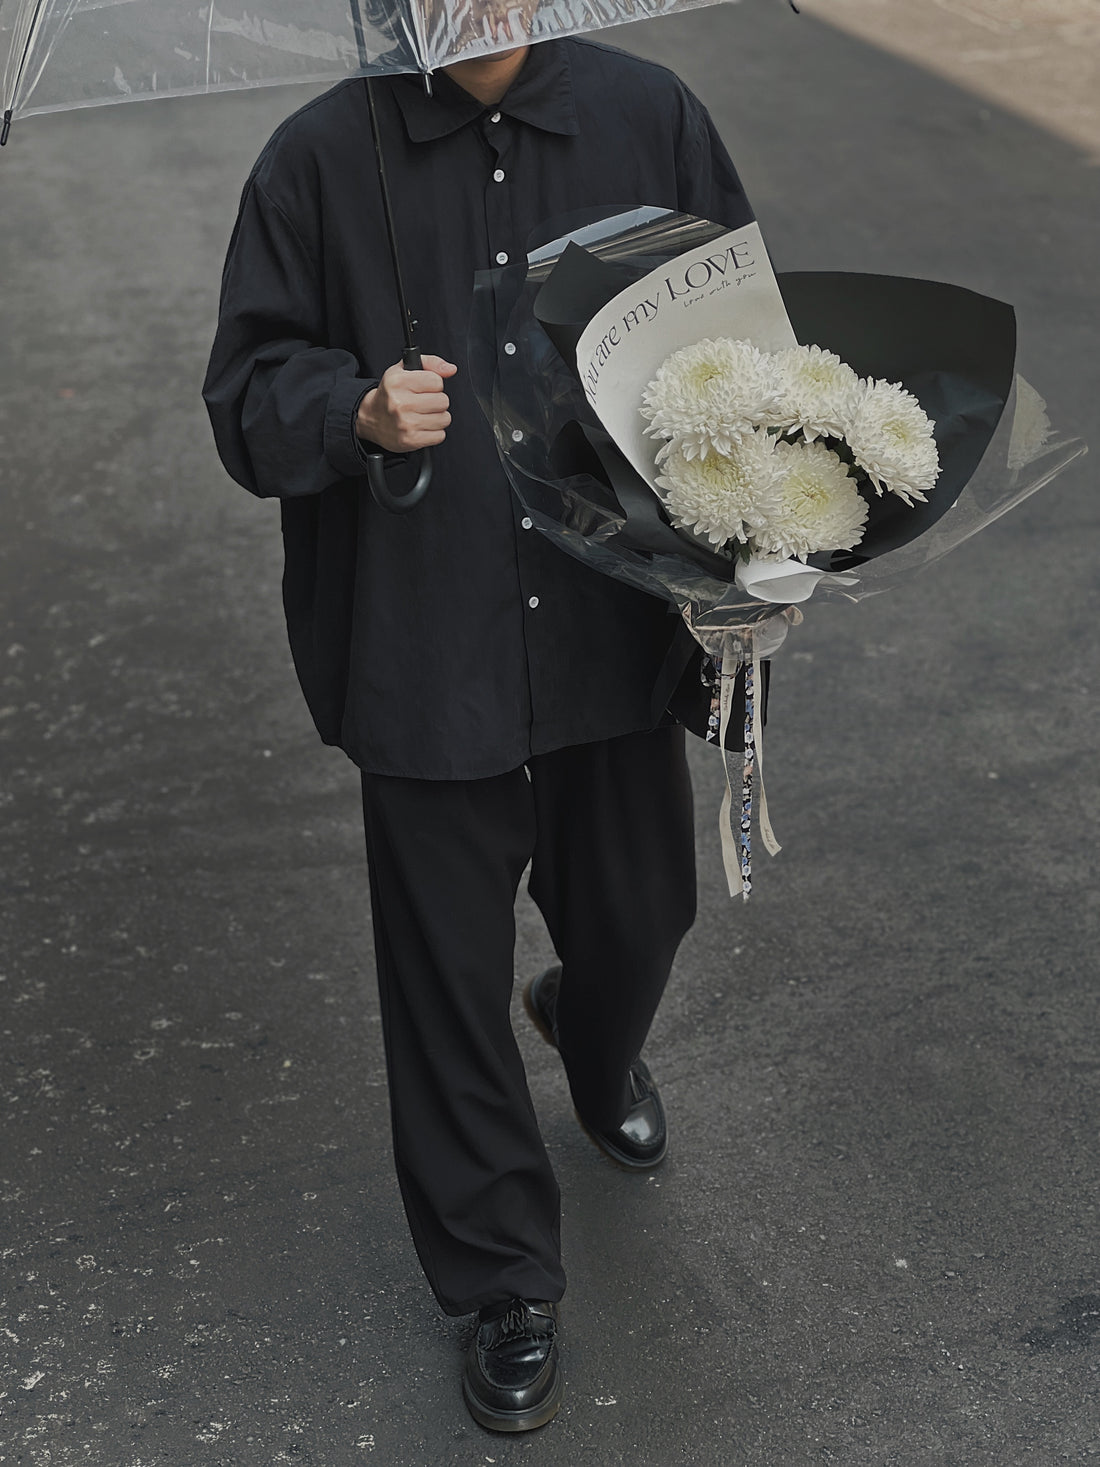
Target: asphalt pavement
point(1039, 57)
point(875, 1241)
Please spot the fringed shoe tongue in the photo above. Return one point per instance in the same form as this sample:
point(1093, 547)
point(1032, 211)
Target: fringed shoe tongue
point(517, 1321)
point(513, 1320)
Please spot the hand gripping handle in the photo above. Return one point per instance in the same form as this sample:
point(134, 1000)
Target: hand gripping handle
point(376, 470)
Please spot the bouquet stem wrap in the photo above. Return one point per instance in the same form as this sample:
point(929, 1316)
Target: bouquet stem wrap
point(731, 651)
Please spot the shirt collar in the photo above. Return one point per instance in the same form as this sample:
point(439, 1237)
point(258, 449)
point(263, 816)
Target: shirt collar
point(541, 95)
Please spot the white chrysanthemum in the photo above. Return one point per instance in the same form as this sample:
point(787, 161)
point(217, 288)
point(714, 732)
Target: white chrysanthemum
point(816, 507)
point(710, 395)
point(891, 437)
point(723, 496)
point(818, 392)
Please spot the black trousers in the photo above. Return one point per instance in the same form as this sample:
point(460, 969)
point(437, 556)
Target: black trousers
point(608, 830)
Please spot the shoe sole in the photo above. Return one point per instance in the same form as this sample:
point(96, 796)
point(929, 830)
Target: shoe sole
point(528, 1420)
point(620, 1158)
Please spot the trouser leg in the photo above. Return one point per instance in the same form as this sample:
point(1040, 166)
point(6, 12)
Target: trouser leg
point(614, 876)
point(445, 862)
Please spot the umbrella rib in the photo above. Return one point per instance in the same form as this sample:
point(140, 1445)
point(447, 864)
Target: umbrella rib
point(32, 36)
point(421, 41)
point(360, 34)
point(209, 30)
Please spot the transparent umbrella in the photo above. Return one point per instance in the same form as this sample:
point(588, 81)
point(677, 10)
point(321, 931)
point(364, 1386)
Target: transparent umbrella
point(59, 54)
point(63, 54)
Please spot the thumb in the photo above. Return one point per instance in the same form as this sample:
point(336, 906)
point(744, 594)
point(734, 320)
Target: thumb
point(439, 365)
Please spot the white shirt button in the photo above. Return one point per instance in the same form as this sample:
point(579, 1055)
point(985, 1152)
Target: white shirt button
point(502, 257)
point(509, 348)
point(498, 175)
point(526, 523)
point(517, 435)
point(495, 117)
point(532, 602)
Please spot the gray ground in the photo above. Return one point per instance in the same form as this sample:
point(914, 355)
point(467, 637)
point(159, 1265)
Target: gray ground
point(875, 1241)
point(1039, 57)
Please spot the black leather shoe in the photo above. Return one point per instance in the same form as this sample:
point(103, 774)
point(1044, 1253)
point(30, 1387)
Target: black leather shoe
point(642, 1140)
point(512, 1380)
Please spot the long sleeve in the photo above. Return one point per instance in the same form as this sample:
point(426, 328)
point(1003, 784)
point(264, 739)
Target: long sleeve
point(282, 404)
point(706, 179)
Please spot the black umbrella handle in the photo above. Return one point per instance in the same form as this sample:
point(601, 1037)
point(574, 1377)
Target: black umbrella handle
point(376, 463)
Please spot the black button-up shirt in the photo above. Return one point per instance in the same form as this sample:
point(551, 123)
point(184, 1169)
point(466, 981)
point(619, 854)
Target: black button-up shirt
point(452, 642)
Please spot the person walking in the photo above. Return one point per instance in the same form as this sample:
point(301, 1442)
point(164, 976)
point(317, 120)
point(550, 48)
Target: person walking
point(496, 695)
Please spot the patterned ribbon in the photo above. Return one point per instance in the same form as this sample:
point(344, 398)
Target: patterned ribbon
point(736, 832)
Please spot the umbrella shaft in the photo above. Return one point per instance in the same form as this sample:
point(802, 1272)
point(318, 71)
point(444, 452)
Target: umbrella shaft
point(407, 322)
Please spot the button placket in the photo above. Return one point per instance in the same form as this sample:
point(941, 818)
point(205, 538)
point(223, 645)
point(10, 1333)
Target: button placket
point(500, 237)
point(497, 131)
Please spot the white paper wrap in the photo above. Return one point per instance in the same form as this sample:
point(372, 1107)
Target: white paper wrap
point(725, 288)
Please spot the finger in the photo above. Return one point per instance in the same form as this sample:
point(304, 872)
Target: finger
point(431, 423)
point(423, 382)
point(410, 424)
point(439, 364)
point(425, 440)
point(426, 402)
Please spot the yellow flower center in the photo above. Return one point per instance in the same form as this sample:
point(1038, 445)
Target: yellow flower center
point(720, 474)
point(701, 375)
point(806, 489)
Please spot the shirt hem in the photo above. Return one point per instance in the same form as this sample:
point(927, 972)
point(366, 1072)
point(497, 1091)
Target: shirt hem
point(547, 743)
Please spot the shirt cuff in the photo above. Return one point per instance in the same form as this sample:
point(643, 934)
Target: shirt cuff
point(344, 449)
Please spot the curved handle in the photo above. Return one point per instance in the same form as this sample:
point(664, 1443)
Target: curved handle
point(384, 495)
point(376, 471)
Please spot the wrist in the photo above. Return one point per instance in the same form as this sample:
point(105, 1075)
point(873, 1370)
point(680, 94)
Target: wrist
point(364, 417)
point(343, 447)
point(364, 430)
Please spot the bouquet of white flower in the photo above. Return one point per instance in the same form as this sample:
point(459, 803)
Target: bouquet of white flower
point(767, 452)
point(661, 420)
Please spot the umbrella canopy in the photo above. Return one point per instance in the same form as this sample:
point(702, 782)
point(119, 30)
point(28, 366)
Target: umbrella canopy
point(59, 54)
point(62, 54)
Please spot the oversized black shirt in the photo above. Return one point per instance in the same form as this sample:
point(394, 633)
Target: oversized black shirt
point(452, 642)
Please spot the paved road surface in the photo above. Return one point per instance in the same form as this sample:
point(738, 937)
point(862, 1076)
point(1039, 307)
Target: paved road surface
point(875, 1241)
point(1039, 57)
